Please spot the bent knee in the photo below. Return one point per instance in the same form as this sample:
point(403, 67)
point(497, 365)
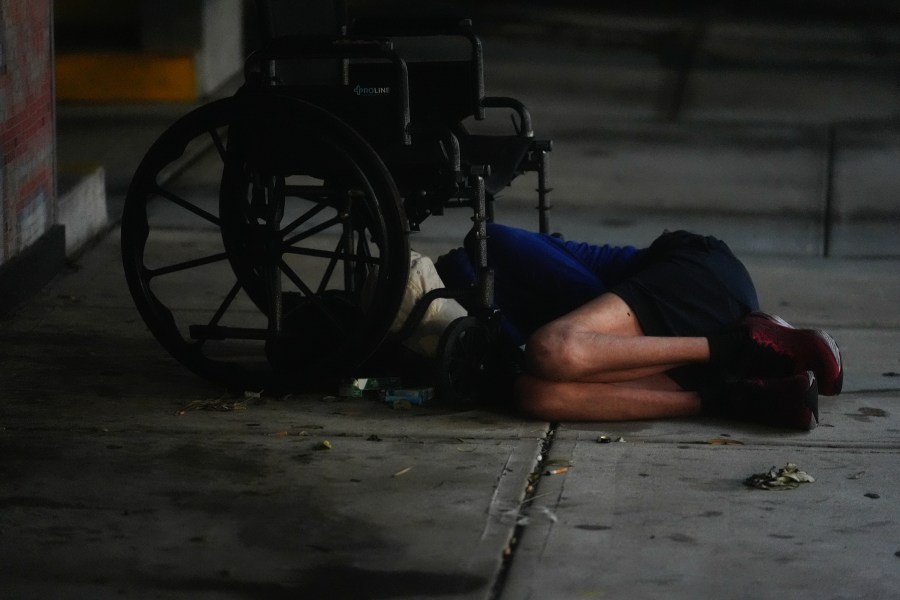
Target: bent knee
point(550, 353)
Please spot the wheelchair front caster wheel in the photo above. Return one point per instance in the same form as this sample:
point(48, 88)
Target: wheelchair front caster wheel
point(464, 357)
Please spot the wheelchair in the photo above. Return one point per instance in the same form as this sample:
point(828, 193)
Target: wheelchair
point(334, 148)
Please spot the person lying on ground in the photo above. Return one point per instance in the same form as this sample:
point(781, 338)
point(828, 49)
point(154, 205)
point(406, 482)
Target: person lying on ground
point(672, 330)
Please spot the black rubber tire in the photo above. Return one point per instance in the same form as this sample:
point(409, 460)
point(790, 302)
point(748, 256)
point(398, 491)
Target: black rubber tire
point(464, 358)
point(313, 333)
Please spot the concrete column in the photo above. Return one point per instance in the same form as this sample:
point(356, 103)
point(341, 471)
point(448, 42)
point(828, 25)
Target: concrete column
point(209, 30)
point(185, 50)
point(31, 245)
point(27, 191)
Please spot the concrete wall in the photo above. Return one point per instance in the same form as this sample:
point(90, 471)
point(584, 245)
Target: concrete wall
point(27, 189)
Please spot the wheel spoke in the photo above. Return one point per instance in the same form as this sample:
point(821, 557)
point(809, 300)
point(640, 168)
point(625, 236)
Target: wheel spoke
point(174, 198)
point(223, 308)
point(364, 255)
point(295, 279)
point(329, 270)
point(217, 140)
point(317, 193)
point(189, 264)
point(336, 254)
point(313, 231)
point(304, 218)
point(226, 303)
point(316, 300)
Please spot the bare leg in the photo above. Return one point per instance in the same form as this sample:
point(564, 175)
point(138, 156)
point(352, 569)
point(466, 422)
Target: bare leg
point(595, 364)
point(652, 398)
point(602, 342)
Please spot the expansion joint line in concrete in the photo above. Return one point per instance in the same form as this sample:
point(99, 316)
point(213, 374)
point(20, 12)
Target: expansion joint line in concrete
point(531, 492)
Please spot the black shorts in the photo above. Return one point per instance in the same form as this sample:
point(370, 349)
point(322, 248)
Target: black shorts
point(688, 285)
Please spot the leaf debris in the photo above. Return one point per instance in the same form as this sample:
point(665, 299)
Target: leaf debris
point(786, 478)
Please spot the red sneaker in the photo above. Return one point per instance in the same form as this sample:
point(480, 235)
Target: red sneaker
point(791, 402)
point(781, 350)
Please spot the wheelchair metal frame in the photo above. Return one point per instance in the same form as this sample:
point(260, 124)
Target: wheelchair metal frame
point(401, 119)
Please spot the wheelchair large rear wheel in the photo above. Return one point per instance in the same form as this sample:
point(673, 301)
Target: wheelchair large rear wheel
point(264, 244)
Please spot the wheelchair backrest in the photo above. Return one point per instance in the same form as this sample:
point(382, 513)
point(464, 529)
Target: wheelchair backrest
point(392, 80)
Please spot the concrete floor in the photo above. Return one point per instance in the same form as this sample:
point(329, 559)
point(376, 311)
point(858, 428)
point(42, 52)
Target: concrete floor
point(124, 475)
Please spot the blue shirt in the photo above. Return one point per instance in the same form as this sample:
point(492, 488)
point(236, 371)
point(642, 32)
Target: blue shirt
point(538, 278)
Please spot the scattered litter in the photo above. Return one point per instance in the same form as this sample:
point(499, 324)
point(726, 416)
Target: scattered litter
point(366, 386)
point(219, 404)
point(523, 516)
point(413, 396)
point(722, 441)
point(856, 475)
point(373, 438)
point(605, 439)
point(387, 389)
point(786, 478)
point(402, 472)
point(324, 445)
point(279, 434)
point(872, 495)
point(548, 513)
point(252, 395)
point(558, 471)
point(535, 497)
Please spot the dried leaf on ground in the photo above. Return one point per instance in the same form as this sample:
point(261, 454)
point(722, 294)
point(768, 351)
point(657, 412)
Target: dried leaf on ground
point(218, 405)
point(721, 441)
point(785, 478)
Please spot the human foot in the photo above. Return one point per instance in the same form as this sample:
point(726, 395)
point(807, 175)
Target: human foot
point(779, 349)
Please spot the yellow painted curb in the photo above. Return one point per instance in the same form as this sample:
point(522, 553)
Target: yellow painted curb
point(124, 76)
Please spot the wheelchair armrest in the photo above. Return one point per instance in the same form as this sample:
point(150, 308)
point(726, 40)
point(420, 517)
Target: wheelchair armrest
point(525, 129)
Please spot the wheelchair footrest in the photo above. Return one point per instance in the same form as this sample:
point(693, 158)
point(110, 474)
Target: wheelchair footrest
point(218, 332)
